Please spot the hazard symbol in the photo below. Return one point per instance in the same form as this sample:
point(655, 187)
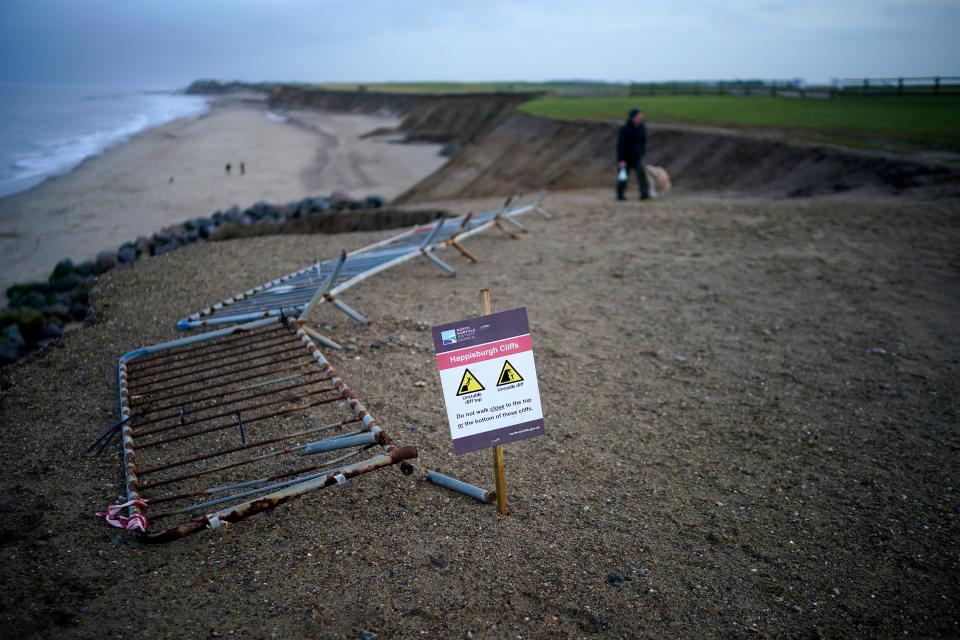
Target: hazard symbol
point(468, 384)
point(508, 375)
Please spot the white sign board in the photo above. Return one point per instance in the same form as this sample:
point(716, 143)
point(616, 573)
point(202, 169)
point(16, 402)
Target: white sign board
point(489, 380)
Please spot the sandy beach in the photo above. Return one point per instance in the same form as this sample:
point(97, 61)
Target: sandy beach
point(177, 171)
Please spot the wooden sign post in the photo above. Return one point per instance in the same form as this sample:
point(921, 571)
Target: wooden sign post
point(489, 382)
point(498, 471)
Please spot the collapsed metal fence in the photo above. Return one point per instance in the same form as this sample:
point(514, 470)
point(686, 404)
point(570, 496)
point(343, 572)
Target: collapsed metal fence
point(219, 426)
point(325, 280)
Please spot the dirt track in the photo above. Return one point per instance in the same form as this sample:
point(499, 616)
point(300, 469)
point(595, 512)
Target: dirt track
point(751, 409)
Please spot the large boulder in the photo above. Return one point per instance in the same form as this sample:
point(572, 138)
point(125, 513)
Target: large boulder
point(11, 334)
point(127, 255)
point(232, 214)
point(59, 311)
point(63, 268)
point(339, 200)
point(9, 353)
point(66, 282)
point(20, 290)
point(29, 321)
point(167, 247)
point(142, 244)
point(32, 299)
point(86, 268)
point(78, 311)
point(52, 330)
point(105, 261)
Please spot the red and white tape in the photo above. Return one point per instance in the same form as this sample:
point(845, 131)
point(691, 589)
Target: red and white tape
point(136, 522)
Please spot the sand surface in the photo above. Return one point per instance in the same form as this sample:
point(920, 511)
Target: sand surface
point(751, 412)
point(127, 191)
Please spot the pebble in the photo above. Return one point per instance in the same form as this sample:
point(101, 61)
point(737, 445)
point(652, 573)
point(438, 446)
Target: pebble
point(438, 562)
point(615, 579)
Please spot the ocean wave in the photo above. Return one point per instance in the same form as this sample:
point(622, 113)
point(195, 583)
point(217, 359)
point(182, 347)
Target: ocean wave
point(43, 155)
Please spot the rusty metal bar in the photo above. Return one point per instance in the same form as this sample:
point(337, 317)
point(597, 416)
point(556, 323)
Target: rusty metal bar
point(275, 414)
point(152, 484)
point(249, 483)
point(229, 382)
point(238, 344)
point(143, 393)
point(237, 336)
point(226, 412)
point(236, 513)
point(185, 363)
point(236, 382)
point(220, 396)
point(213, 367)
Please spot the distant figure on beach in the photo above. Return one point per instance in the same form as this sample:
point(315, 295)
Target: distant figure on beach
point(631, 147)
point(228, 168)
point(243, 168)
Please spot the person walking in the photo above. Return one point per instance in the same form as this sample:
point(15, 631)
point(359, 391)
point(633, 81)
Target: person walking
point(631, 147)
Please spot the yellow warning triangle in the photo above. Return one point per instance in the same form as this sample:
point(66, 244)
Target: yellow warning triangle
point(468, 384)
point(508, 374)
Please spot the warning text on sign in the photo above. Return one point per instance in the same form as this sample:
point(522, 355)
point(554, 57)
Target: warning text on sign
point(489, 380)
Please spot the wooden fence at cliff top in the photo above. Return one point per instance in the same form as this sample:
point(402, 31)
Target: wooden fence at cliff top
point(797, 88)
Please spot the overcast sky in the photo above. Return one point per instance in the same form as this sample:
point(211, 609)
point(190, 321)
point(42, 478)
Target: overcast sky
point(170, 42)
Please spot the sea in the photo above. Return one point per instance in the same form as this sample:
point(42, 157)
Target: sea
point(47, 130)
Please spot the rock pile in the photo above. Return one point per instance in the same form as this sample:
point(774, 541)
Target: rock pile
point(39, 311)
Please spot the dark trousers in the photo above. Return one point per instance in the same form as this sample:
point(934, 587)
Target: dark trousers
point(637, 167)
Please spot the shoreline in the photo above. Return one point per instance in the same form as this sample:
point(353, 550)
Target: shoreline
point(175, 172)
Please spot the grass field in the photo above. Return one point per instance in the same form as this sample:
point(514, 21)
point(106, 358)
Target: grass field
point(851, 121)
point(561, 87)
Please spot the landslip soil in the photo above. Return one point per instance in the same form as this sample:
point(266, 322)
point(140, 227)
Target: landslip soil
point(751, 411)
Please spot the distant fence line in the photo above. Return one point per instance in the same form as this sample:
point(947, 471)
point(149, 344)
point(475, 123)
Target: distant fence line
point(928, 86)
point(797, 88)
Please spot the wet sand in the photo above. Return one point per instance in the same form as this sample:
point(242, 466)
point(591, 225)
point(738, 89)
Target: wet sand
point(176, 172)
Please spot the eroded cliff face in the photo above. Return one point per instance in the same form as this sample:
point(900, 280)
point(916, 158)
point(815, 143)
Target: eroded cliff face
point(497, 150)
point(525, 153)
point(454, 119)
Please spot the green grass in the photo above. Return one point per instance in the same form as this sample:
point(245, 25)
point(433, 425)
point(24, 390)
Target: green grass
point(562, 87)
point(850, 121)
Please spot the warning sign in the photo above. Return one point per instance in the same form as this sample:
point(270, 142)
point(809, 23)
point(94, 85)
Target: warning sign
point(488, 354)
point(469, 384)
point(508, 374)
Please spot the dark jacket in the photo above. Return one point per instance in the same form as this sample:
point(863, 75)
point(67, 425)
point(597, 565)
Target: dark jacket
point(631, 142)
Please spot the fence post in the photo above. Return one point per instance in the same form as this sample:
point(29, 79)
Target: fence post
point(899, 86)
point(936, 86)
point(866, 86)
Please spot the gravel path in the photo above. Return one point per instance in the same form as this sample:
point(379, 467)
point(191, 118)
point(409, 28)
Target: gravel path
point(751, 411)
